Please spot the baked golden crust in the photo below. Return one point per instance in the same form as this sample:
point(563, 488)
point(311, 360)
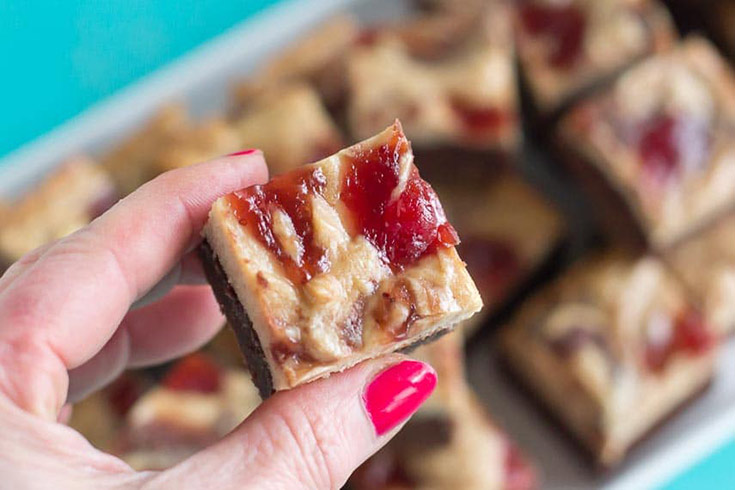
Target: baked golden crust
point(706, 265)
point(662, 137)
point(615, 336)
point(66, 200)
point(289, 123)
point(597, 39)
point(354, 305)
point(467, 97)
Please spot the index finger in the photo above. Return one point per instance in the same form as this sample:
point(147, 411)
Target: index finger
point(60, 311)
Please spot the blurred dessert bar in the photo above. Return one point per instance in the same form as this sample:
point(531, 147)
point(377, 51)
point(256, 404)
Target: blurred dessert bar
point(196, 403)
point(131, 163)
point(464, 96)
point(510, 234)
point(290, 124)
point(169, 140)
point(612, 348)
point(567, 47)
point(69, 198)
point(336, 262)
point(659, 145)
point(706, 265)
point(317, 58)
point(197, 143)
point(101, 416)
point(450, 443)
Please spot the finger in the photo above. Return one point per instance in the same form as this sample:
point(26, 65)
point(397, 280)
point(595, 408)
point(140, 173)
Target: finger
point(60, 311)
point(187, 271)
point(180, 323)
point(102, 369)
point(313, 436)
point(65, 414)
point(21, 265)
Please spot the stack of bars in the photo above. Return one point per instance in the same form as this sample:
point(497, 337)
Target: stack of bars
point(639, 119)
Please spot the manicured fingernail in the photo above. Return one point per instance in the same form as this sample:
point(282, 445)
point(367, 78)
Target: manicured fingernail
point(249, 151)
point(397, 392)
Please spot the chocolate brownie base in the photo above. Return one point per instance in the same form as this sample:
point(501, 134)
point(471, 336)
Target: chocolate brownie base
point(238, 318)
point(588, 454)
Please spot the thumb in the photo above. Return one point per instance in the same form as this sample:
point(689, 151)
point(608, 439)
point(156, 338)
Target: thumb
point(313, 436)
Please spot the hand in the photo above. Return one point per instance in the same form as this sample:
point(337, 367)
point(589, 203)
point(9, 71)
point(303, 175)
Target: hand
point(66, 329)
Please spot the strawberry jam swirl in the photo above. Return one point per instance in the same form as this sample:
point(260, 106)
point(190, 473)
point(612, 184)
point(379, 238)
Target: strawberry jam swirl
point(563, 25)
point(291, 194)
point(690, 335)
point(402, 228)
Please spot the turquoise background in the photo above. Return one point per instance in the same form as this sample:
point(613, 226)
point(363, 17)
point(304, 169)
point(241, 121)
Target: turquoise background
point(60, 57)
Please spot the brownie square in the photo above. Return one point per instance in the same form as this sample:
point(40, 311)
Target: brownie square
point(336, 262)
point(611, 349)
point(661, 140)
point(510, 232)
point(449, 78)
point(69, 198)
point(565, 48)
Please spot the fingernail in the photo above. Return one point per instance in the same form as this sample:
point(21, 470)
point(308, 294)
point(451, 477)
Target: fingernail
point(249, 151)
point(397, 392)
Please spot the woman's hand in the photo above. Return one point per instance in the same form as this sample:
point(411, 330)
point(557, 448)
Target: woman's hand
point(67, 329)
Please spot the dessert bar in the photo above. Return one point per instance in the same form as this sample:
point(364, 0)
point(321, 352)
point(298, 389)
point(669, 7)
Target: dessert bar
point(195, 404)
point(450, 443)
point(510, 234)
point(567, 47)
point(465, 96)
point(611, 348)
point(68, 199)
point(658, 146)
point(290, 124)
point(706, 265)
point(336, 262)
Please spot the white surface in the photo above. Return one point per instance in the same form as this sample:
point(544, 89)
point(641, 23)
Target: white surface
point(202, 79)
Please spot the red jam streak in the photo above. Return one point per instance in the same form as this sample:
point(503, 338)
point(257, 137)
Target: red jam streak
point(690, 335)
point(492, 263)
point(663, 142)
point(290, 193)
point(480, 120)
point(404, 228)
point(564, 24)
point(195, 372)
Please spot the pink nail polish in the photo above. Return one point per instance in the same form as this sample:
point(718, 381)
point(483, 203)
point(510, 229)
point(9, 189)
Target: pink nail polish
point(397, 392)
point(249, 151)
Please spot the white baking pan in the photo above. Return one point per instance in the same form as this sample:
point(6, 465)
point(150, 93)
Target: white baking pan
point(202, 79)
